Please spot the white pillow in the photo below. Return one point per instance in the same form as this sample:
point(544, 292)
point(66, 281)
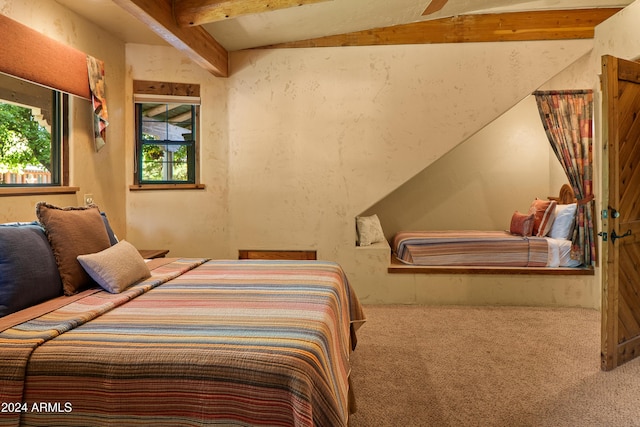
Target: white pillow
point(116, 268)
point(369, 230)
point(563, 224)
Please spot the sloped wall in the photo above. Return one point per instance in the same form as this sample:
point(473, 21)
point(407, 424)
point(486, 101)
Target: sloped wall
point(481, 182)
point(316, 136)
point(319, 135)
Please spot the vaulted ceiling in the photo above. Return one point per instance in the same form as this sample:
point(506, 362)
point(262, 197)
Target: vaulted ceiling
point(207, 30)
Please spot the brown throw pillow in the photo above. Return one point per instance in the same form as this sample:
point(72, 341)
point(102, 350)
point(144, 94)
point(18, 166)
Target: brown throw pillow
point(522, 224)
point(73, 231)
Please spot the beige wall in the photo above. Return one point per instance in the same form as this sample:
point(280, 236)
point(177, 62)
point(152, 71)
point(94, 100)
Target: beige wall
point(297, 142)
point(190, 223)
point(481, 182)
point(332, 131)
point(315, 136)
point(98, 173)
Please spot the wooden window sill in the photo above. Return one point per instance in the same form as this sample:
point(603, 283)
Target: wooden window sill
point(398, 267)
point(144, 187)
point(31, 191)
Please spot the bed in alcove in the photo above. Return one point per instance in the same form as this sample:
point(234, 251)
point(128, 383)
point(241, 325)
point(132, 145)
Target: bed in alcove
point(539, 240)
point(477, 185)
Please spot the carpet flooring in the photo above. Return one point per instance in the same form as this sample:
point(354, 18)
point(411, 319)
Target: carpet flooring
point(488, 366)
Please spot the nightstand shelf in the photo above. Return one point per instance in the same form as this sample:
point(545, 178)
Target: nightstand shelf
point(277, 254)
point(153, 253)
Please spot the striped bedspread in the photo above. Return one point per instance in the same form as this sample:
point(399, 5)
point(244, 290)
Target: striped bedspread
point(199, 343)
point(469, 248)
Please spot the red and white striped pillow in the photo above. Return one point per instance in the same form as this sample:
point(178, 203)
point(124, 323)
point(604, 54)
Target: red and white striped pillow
point(544, 212)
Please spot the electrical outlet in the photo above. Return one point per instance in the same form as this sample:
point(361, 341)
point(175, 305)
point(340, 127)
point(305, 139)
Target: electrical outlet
point(88, 199)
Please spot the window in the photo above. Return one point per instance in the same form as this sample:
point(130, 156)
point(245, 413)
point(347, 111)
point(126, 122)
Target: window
point(31, 135)
point(167, 133)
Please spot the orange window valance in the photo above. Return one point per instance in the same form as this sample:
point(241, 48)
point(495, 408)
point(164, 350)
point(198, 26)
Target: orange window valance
point(30, 55)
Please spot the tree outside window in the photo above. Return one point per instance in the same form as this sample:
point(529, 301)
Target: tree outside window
point(30, 137)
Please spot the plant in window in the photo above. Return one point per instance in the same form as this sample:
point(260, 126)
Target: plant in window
point(166, 135)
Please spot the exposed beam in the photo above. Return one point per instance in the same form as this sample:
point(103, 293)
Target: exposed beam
point(198, 12)
point(518, 26)
point(434, 6)
point(194, 42)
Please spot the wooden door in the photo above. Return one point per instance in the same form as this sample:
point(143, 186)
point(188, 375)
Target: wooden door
point(621, 218)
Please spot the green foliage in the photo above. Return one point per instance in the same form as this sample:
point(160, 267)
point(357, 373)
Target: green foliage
point(152, 162)
point(156, 156)
point(23, 141)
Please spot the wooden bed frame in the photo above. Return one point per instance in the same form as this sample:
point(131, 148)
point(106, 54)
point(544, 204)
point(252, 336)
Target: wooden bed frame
point(565, 196)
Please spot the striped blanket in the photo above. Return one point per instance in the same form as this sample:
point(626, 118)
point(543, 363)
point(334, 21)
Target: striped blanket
point(469, 248)
point(198, 343)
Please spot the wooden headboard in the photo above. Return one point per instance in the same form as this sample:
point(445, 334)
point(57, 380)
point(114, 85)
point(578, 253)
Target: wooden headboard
point(565, 196)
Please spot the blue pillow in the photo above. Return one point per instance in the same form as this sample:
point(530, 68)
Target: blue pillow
point(28, 271)
point(112, 237)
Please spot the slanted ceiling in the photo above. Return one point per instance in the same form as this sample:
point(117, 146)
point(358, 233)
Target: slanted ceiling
point(180, 23)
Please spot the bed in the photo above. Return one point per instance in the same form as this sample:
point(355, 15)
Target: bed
point(194, 342)
point(539, 238)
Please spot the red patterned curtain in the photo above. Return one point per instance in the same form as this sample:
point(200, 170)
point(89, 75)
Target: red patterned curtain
point(567, 117)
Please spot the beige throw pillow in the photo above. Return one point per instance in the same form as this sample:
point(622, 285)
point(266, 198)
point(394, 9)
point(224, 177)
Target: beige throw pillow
point(369, 230)
point(116, 268)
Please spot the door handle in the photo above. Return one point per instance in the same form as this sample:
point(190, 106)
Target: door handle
point(614, 236)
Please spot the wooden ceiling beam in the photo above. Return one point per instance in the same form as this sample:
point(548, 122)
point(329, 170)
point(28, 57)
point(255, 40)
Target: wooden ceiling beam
point(195, 42)
point(517, 26)
point(198, 12)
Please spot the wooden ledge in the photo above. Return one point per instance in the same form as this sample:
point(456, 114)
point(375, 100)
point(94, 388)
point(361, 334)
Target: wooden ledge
point(37, 190)
point(146, 187)
point(277, 254)
point(397, 267)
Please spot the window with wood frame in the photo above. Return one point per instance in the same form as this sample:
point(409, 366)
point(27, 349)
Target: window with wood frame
point(167, 135)
point(32, 136)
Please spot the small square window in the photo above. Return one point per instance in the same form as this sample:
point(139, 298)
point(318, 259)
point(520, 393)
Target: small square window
point(167, 143)
point(166, 136)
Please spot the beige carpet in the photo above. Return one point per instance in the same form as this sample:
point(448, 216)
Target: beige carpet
point(488, 366)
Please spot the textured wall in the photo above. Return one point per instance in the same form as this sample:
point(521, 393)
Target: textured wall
point(316, 136)
point(297, 142)
point(99, 173)
point(319, 135)
point(481, 182)
point(187, 222)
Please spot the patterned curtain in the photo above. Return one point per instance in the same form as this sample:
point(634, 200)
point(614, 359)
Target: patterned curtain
point(567, 117)
point(95, 69)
